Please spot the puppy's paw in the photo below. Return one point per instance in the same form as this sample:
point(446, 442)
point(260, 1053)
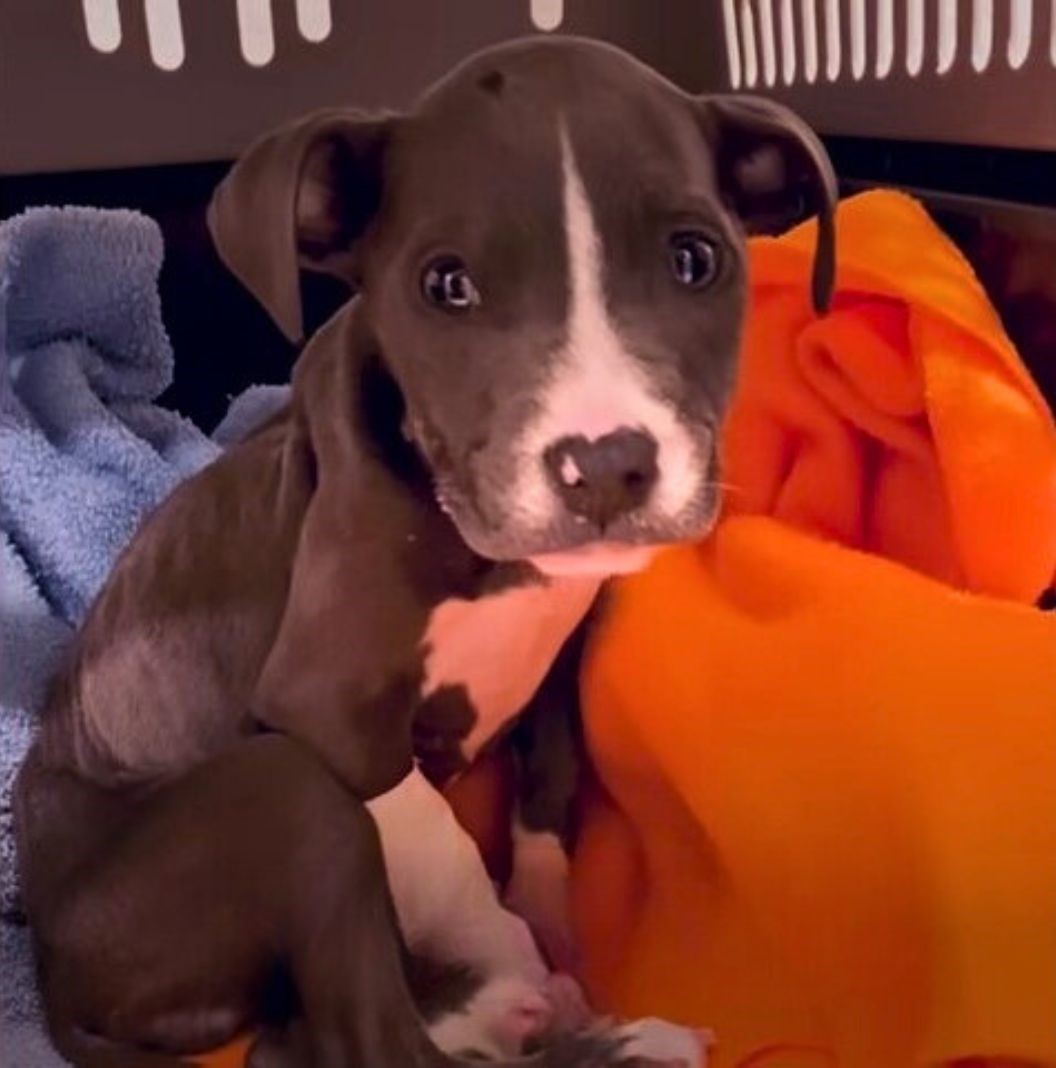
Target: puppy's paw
point(498, 1021)
point(657, 1042)
point(569, 1007)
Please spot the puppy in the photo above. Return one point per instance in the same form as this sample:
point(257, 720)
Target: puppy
point(522, 399)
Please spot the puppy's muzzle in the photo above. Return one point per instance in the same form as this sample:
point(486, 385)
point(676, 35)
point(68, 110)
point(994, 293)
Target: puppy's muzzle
point(599, 480)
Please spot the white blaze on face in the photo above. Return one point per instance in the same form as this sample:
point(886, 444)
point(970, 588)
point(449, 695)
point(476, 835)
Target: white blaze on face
point(597, 386)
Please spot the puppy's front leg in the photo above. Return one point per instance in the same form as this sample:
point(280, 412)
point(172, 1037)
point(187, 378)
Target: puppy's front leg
point(446, 903)
point(547, 748)
point(449, 912)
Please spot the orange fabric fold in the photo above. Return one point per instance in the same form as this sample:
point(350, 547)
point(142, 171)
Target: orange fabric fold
point(903, 423)
point(827, 737)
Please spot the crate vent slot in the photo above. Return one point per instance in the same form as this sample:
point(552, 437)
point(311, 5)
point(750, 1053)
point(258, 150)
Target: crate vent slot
point(314, 20)
point(810, 40)
point(858, 42)
point(750, 55)
point(1019, 32)
point(788, 42)
point(256, 32)
point(164, 33)
point(982, 33)
point(766, 39)
point(102, 23)
point(885, 38)
point(547, 15)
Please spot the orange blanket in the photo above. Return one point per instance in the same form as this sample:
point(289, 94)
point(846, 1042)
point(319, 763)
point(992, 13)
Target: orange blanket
point(827, 738)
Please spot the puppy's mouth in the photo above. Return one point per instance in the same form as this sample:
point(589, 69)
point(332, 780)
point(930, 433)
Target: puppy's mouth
point(629, 546)
point(567, 547)
point(597, 558)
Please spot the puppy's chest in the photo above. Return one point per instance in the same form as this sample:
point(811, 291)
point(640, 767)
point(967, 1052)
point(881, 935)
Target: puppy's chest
point(483, 660)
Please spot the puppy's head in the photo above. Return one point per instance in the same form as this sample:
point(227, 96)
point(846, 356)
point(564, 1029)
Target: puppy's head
point(550, 252)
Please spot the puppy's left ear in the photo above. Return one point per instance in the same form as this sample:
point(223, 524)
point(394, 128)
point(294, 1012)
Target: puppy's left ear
point(773, 169)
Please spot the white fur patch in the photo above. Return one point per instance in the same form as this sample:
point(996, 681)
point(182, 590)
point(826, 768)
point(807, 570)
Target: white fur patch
point(500, 646)
point(597, 386)
point(444, 898)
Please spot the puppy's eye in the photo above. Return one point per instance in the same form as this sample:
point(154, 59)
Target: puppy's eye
point(694, 259)
point(446, 284)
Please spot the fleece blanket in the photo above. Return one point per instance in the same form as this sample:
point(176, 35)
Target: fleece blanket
point(84, 453)
point(826, 739)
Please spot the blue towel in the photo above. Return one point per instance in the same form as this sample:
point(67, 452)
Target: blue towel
point(85, 452)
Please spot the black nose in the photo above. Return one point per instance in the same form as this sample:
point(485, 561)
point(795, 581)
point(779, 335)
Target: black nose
point(603, 479)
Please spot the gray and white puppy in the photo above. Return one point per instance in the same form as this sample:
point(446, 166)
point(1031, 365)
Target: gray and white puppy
point(522, 399)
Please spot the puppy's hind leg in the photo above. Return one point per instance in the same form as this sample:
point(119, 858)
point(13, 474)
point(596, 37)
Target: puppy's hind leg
point(168, 937)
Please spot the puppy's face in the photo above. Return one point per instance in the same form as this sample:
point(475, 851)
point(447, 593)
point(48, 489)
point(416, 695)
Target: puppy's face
point(559, 292)
point(554, 269)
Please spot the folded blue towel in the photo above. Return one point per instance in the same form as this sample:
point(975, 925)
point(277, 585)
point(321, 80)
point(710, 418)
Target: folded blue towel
point(85, 451)
point(84, 454)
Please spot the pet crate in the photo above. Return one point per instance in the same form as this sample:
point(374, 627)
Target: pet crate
point(143, 103)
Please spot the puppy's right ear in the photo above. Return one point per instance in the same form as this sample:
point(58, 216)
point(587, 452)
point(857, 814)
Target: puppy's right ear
point(301, 196)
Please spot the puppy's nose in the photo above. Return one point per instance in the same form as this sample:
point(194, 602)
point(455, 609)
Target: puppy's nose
point(603, 479)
